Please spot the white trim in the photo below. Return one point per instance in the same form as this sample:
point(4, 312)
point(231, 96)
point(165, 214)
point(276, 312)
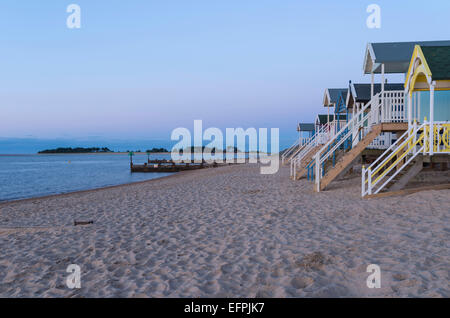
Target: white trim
point(347, 99)
point(370, 53)
point(326, 97)
point(372, 84)
point(433, 84)
point(355, 96)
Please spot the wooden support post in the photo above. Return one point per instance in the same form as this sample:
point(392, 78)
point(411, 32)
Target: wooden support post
point(372, 91)
point(432, 118)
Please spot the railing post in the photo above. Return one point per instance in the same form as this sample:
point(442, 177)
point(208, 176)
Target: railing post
point(369, 180)
point(382, 84)
point(363, 173)
point(410, 107)
point(295, 170)
point(432, 118)
point(425, 136)
point(317, 173)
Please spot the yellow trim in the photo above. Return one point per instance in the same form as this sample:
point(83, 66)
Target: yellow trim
point(427, 89)
point(403, 155)
point(423, 68)
point(441, 138)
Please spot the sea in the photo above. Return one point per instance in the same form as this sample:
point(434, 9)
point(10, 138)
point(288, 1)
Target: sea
point(28, 176)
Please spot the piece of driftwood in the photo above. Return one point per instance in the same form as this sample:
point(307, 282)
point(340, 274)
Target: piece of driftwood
point(75, 223)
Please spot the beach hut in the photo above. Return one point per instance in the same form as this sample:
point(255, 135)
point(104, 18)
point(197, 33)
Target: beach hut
point(427, 139)
point(325, 126)
point(376, 109)
point(391, 58)
point(361, 94)
point(307, 128)
point(321, 121)
point(322, 132)
point(375, 113)
point(333, 98)
point(305, 134)
point(336, 98)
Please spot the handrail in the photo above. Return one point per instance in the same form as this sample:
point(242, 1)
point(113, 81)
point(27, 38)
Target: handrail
point(292, 152)
point(380, 111)
point(396, 161)
point(314, 141)
point(411, 142)
point(289, 151)
point(408, 140)
point(350, 123)
point(338, 144)
point(389, 149)
point(311, 142)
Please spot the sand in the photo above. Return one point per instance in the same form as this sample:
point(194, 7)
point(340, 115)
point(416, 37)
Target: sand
point(227, 232)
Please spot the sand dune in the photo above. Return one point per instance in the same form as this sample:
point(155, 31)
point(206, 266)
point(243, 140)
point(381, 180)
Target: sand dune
point(227, 232)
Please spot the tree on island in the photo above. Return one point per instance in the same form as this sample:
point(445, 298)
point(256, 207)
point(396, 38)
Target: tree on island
point(155, 150)
point(76, 150)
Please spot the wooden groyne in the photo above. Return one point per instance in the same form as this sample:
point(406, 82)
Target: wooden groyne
point(171, 166)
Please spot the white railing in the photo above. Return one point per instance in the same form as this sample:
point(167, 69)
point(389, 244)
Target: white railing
point(395, 158)
point(383, 107)
point(355, 127)
point(412, 143)
point(294, 149)
point(321, 136)
point(391, 108)
point(441, 138)
point(285, 156)
point(383, 141)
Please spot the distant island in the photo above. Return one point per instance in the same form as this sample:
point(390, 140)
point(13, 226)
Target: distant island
point(153, 150)
point(77, 150)
point(97, 150)
point(156, 150)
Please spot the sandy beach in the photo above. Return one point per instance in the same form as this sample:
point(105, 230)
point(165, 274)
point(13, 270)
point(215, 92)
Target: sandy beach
point(227, 232)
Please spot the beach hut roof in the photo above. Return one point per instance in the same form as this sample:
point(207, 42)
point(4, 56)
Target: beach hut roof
point(361, 92)
point(395, 56)
point(332, 95)
point(323, 119)
point(305, 127)
point(438, 60)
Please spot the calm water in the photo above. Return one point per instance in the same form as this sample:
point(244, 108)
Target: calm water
point(37, 175)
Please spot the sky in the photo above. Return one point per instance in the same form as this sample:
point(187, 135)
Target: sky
point(138, 69)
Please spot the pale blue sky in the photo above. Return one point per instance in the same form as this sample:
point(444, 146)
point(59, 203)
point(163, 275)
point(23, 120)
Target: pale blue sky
point(138, 69)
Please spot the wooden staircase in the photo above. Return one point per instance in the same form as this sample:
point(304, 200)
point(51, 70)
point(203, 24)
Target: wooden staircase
point(309, 156)
point(288, 159)
point(349, 157)
point(405, 175)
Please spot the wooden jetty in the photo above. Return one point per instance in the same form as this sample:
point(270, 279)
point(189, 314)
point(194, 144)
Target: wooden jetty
point(171, 166)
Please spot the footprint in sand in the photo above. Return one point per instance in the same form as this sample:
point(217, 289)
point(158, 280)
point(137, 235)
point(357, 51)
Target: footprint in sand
point(301, 282)
point(399, 276)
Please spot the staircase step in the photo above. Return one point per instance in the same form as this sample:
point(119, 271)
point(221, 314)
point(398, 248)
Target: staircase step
point(349, 157)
